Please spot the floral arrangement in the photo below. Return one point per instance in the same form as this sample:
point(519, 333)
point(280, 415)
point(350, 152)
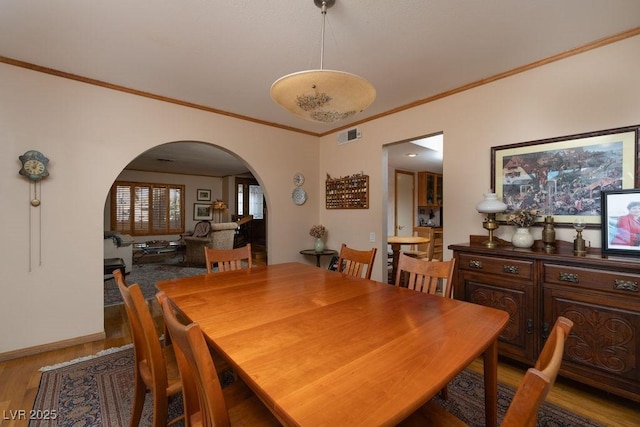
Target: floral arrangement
point(317, 231)
point(522, 218)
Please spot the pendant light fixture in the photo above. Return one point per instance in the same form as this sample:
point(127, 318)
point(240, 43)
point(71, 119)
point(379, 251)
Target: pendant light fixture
point(323, 95)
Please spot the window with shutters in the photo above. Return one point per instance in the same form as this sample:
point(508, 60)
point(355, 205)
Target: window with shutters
point(140, 208)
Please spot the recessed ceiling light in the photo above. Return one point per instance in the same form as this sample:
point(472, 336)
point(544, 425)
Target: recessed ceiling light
point(412, 155)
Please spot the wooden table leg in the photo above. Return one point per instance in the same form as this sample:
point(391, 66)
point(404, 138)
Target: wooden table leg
point(490, 358)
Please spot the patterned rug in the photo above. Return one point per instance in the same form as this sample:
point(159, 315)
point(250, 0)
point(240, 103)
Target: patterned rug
point(147, 275)
point(93, 391)
point(97, 391)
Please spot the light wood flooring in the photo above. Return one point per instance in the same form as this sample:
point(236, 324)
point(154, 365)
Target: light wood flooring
point(19, 379)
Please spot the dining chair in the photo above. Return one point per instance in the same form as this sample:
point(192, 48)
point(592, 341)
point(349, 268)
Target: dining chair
point(424, 250)
point(155, 365)
point(353, 261)
point(531, 393)
point(426, 276)
point(228, 259)
point(206, 403)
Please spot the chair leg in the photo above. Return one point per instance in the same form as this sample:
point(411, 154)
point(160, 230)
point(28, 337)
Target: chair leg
point(139, 393)
point(444, 393)
point(160, 410)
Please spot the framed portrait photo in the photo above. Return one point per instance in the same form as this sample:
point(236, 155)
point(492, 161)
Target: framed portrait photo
point(204, 195)
point(563, 177)
point(202, 212)
point(621, 222)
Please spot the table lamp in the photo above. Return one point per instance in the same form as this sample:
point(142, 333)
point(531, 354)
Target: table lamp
point(490, 206)
point(578, 243)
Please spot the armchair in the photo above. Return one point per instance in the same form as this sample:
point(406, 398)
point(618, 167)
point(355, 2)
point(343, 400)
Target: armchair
point(220, 236)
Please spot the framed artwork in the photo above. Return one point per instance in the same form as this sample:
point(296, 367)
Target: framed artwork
point(202, 212)
point(621, 222)
point(204, 195)
point(564, 176)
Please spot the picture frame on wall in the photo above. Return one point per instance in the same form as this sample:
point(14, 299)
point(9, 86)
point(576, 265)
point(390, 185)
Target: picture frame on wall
point(202, 212)
point(203, 195)
point(621, 222)
point(564, 176)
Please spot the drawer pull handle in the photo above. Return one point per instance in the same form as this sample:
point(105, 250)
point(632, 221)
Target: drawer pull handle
point(529, 327)
point(569, 277)
point(475, 264)
point(512, 269)
point(625, 285)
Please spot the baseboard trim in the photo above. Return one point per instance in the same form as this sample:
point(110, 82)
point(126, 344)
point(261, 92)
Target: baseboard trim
point(30, 351)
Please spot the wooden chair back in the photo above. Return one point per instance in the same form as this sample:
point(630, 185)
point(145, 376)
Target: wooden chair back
point(531, 393)
point(353, 261)
point(155, 368)
point(204, 402)
point(426, 276)
point(228, 259)
point(533, 390)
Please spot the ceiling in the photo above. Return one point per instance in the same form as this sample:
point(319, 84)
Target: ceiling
point(224, 55)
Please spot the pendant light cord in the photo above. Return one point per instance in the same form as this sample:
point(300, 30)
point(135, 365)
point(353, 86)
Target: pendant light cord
point(323, 10)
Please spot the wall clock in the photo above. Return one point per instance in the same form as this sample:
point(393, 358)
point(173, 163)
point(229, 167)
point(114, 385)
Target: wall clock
point(34, 167)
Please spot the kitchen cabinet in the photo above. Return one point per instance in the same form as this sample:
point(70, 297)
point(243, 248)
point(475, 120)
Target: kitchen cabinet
point(600, 295)
point(429, 189)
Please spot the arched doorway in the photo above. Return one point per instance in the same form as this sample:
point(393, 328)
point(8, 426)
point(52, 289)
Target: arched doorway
point(201, 174)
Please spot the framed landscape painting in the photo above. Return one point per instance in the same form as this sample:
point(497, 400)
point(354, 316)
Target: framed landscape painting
point(202, 212)
point(204, 195)
point(621, 222)
point(564, 176)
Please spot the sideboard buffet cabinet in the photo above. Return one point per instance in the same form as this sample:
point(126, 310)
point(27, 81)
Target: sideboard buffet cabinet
point(599, 294)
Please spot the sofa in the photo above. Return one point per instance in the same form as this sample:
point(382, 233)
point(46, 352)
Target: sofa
point(220, 236)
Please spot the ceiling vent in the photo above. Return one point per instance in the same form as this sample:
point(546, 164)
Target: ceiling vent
point(349, 136)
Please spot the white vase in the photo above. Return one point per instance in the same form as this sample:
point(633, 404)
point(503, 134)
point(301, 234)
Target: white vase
point(522, 238)
point(319, 246)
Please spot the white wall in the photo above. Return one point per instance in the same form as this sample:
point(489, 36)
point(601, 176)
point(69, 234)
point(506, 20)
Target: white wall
point(91, 133)
point(598, 89)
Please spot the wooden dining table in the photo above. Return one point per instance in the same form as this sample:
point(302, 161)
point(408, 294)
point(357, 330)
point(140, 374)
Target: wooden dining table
point(396, 242)
point(323, 348)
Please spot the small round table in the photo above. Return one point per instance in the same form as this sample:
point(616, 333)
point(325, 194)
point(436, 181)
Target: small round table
point(318, 254)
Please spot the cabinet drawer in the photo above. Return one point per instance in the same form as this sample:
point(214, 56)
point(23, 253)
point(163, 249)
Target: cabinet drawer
point(620, 283)
point(502, 266)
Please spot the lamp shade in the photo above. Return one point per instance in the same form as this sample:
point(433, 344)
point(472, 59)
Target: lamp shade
point(323, 95)
point(491, 204)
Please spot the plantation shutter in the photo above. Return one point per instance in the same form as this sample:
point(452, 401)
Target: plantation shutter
point(147, 209)
point(121, 214)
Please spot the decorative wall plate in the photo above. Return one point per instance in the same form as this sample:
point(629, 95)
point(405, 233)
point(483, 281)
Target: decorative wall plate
point(298, 179)
point(299, 196)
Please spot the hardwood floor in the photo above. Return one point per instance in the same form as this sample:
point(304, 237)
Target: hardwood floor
point(19, 379)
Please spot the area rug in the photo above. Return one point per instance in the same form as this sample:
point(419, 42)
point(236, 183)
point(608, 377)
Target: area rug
point(97, 391)
point(93, 391)
point(146, 275)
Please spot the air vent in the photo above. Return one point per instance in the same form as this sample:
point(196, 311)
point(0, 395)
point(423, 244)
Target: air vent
point(349, 136)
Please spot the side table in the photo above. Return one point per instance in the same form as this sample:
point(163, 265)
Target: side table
point(318, 254)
